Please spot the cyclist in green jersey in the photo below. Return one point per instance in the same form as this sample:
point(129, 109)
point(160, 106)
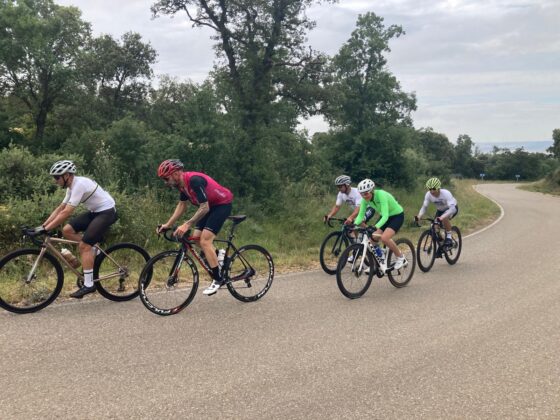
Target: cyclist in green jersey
point(391, 220)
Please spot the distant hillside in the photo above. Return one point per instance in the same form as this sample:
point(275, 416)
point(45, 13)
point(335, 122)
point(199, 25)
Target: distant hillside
point(529, 146)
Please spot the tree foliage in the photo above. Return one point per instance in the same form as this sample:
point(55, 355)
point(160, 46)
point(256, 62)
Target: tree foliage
point(40, 46)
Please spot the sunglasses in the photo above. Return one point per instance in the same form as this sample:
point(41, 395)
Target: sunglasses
point(57, 177)
point(433, 189)
point(165, 178)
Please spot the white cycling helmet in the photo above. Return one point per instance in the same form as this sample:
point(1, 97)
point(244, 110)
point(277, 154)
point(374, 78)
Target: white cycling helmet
point(62, 167)
point(342, 180)
point(365, 186)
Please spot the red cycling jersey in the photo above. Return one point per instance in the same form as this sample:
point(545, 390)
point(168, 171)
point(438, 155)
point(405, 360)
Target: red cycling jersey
point(216, 194)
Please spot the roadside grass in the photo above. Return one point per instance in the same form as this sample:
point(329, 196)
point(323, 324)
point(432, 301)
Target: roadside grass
point(544, 186)
point(294, 236)
point(294, 240)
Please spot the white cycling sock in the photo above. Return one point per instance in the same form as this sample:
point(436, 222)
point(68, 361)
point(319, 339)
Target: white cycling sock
point(448, 233)
point(88, 278)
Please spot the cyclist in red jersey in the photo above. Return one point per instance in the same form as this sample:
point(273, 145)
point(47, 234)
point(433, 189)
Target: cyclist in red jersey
point(214, 206)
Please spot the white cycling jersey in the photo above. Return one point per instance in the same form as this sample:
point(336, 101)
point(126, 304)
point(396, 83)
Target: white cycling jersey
point(353, 199)
point(87, 192)
point(445, 201)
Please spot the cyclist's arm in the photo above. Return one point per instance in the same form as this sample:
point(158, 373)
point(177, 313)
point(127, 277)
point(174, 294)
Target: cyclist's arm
point(202, 211)
point(179, 210)
point(362, 213)
point(383, 210)
point(354, 214)
point(61, 213)
point(425, 205)
point(198, 185)
point(333, 211)
point(54, 213)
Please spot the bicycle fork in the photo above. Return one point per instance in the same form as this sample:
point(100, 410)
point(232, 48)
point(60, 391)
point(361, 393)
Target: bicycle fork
point(31, 275)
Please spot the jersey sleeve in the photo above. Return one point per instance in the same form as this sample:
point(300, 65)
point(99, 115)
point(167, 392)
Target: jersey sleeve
point(362, 213)
point(425, 205)
point(198, 185)
point(383, 210)
point(339, 200)
point(76, 194)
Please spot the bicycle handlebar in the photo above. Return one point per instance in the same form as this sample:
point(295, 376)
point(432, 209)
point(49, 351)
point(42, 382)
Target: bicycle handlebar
point(337, 219)
point(32, 234)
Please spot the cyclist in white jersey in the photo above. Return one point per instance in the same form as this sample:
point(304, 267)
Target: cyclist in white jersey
point(349, 195)
point(94, 223)
point(446, 206)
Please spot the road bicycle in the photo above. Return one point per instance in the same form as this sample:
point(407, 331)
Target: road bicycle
point(169, 281)
point(354, 275)
point(32, 278)
point(333, 245)
point(431, 245)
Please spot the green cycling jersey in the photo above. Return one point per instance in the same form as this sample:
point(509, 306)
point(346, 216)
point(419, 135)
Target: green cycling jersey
point(384, 203)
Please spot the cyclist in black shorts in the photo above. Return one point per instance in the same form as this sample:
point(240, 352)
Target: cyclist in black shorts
point(94, 223)
point(214, 206)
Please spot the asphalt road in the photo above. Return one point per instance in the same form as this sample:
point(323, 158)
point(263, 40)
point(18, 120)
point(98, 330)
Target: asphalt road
point(476, 340)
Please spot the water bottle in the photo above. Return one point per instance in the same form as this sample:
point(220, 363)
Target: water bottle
point(68, 256)
point(379, 252)
point(221, 255)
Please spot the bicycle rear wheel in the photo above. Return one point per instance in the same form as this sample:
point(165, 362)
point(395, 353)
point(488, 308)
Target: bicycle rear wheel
point(250, 273)
point(351, 277)
point(16, 295)
point(426, 251)
point(125, 259)
point(401, 277)
point(168, 283)
point(452, 253)
point(330, 251)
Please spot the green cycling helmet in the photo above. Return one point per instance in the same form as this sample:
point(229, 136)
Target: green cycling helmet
point(433, 184)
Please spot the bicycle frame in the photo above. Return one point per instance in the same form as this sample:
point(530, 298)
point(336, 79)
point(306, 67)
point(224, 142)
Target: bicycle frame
point(188, 246)
point(368, 247)
point(47, 245)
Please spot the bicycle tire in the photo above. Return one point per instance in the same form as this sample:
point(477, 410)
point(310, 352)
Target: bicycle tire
point(426, 251)
point(400, 278)
point(329, 254)
point(131, 259)
point(49, 269)
point(452, 254)
point(161, 290)
point(349, 277)
point(250, 269)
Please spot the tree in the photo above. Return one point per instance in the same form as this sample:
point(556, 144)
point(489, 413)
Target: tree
point(263, 64)
point(262, 45)
point(40, 46)
point(366, 94)
point(367, 109)
point(555, 148)
point(463, 156)
point(118, 70)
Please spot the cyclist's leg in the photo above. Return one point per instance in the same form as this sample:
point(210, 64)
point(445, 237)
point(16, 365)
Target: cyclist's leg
point(72, 230)
point(99, 225)
point(210, 226)
point(390, 228)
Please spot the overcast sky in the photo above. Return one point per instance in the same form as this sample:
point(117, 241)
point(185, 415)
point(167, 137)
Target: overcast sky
point(486, 68)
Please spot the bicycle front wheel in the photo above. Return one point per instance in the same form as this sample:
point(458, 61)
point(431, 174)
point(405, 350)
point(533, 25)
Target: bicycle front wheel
point(22, 293)
point(122, 265)
point(354, 277)
point(401, 277)
point(330, 251)
point(452, 253)
point(426, 251)
point(168, 283)
point(250, 273)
